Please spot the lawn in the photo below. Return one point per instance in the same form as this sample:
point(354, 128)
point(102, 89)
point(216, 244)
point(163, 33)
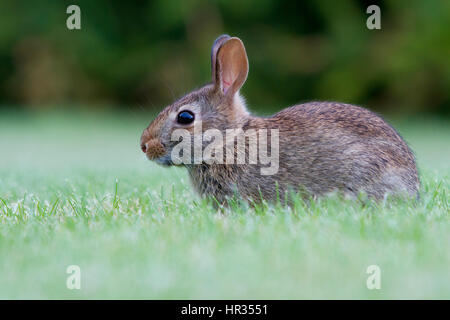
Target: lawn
point(75, 189)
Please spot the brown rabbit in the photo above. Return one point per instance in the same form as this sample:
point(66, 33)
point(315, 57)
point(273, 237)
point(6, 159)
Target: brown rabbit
point(323, 146)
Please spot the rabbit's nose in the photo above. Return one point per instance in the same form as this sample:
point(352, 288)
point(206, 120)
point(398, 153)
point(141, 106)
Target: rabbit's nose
point(153, 149)
point(144, 148)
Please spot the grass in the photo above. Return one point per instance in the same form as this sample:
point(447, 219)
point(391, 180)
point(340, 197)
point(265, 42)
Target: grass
point(75, 190)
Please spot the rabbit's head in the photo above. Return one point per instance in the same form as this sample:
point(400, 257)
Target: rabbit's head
point(217, 105)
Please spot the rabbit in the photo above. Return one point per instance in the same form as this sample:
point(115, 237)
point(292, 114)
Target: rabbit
point(323, 148)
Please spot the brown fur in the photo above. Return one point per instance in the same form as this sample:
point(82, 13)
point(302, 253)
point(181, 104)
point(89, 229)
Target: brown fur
point(324, 146)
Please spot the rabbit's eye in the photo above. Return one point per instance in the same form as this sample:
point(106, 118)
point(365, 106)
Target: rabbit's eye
point(185, 117)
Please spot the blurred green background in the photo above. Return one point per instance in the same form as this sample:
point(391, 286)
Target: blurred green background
point(143, 54)
point(75, 187)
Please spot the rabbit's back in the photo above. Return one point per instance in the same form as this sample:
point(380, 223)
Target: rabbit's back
point(328, 146)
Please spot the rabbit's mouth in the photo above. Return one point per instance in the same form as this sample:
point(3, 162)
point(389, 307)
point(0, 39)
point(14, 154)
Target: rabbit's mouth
point(153, 149)
point(164, 161)
point(156, 151)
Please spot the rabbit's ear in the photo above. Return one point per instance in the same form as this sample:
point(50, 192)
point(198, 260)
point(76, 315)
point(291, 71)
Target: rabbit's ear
point(231, 66)
point(215, 48)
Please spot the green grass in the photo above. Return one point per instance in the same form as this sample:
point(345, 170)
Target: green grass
point(75, 190)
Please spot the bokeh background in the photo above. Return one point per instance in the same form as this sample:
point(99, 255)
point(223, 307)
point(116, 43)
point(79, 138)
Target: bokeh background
point(142, 54)
point(76, 189)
